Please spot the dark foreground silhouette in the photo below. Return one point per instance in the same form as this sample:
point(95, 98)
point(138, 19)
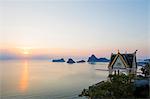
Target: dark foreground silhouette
point(118, 86)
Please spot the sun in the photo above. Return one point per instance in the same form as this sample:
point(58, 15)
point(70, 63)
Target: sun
point(26, 51)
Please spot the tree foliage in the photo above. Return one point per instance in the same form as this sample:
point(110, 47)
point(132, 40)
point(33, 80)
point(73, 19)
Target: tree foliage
point(146, 69)
point(119, 86)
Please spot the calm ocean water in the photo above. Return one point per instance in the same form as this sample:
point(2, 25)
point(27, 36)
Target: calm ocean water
point(26, 79)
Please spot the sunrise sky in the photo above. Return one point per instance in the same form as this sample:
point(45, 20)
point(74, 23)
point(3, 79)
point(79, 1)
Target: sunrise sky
point(54, 28)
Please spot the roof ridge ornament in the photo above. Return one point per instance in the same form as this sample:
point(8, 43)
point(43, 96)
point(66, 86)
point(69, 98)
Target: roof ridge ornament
point(135, 51)
point(118, 51)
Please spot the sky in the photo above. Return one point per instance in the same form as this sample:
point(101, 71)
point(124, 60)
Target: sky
point(79, 28)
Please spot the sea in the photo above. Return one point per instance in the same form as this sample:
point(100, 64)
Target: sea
point(41, 79)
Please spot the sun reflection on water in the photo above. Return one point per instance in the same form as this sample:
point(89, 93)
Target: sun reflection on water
point(24, 77)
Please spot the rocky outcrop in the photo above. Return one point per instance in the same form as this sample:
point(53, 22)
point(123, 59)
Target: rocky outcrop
point(58, 60)
point(70, 61)
point(81, 61)
point(93, 58)
point(103, 60)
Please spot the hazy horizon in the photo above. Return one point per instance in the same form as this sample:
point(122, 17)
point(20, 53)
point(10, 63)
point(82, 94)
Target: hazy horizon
point(73, 28)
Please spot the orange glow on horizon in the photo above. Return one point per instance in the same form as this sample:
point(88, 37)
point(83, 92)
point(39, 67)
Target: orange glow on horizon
point(27, 52)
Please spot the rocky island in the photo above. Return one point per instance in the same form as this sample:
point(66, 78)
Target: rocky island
point(81, 61)
point(58, 60)
point(70, 61)
point(93, 58)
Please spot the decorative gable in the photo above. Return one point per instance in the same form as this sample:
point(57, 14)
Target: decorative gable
point(118, 64)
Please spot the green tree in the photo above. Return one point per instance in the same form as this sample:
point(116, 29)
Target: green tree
point(146, 69)
point(119, 86)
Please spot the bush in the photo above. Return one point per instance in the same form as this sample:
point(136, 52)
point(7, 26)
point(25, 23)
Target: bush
point(119, 86)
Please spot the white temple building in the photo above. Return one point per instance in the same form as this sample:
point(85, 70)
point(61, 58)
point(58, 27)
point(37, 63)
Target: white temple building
point(123, 63)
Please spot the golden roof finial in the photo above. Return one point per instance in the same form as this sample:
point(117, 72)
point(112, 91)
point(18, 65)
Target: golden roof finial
point(118, 51)
point(135, 51)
